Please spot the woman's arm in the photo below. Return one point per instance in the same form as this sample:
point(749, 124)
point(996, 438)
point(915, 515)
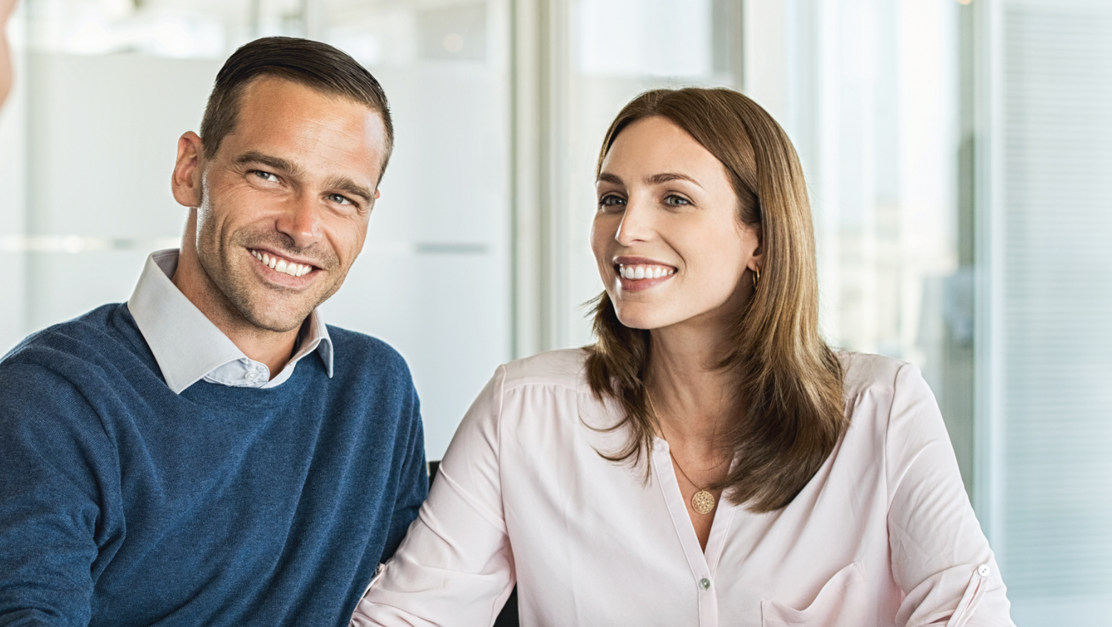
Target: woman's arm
point(940, 557)
point(454, 566)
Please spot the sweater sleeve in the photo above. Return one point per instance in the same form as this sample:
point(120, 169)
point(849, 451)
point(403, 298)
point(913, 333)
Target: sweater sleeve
point(454, 567)
point(940, 557)
point(56, 476)
point(413, 479)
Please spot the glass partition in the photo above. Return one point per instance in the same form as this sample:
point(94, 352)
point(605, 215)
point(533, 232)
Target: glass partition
point(109, 86)
point(615, 50)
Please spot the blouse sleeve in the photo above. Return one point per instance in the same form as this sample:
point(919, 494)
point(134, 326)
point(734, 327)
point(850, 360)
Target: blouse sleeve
point(940, 557)
point(454, 566)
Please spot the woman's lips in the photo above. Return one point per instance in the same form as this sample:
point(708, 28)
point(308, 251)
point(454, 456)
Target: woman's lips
point(642, 271)
point(636, 274)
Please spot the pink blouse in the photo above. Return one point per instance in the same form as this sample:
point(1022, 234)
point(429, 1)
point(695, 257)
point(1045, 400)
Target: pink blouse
point(882, 535)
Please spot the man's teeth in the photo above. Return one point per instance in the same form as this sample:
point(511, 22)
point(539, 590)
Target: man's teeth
point(645, 272)
point(281, 265)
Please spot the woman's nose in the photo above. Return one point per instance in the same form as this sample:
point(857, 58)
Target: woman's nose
point(636, 224)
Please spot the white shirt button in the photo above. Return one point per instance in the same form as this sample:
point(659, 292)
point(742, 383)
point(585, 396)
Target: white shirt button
point(983, 570)
point(251, 375)
point(704, 583)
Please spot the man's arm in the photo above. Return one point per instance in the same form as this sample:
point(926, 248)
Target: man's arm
point(56, 457)
point(413, 483)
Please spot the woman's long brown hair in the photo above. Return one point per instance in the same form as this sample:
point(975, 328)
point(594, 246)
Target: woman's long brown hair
point(788, 380)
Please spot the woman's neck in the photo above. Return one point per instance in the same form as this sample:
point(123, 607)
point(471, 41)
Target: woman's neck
point(693, 398)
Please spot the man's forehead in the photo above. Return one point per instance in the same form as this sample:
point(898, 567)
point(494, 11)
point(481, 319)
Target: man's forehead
point(298, 124)
point(260, 91)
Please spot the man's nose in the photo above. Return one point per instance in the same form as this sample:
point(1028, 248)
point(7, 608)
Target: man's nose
point(301, 220)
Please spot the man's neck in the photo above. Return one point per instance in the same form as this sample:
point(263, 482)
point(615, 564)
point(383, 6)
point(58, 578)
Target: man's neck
point(272, 348)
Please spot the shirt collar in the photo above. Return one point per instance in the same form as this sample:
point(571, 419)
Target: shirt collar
point(186, 344)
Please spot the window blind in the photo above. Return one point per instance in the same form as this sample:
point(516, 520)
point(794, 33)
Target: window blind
point(1056, 419)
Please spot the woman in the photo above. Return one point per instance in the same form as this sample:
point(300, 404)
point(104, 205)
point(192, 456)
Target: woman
point(709, 460)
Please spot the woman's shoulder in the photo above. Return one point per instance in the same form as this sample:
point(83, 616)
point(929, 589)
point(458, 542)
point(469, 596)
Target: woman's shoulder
point(866, 373)
point(558, 368)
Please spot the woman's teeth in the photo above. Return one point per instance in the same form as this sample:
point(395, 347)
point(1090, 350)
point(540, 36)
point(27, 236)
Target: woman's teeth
point(281, 265)
point(644, 272)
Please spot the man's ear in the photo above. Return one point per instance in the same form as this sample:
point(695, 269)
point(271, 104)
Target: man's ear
point(185, 182)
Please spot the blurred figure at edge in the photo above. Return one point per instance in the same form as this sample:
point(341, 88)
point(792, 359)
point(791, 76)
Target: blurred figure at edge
point(6, 8)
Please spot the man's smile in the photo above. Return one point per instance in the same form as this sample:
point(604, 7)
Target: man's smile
point(279, 264)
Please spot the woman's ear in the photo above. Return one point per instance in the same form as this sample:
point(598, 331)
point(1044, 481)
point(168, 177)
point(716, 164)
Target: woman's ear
point(756, 259)
point(186, 182)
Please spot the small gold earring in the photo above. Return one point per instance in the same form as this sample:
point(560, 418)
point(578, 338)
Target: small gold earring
point(756, 277)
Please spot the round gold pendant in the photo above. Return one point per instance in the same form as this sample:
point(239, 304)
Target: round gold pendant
point(702, 502)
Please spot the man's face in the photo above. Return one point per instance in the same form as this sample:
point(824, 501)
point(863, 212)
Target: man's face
point(285, 203)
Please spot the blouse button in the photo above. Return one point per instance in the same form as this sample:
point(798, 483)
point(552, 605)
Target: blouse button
point(704, 583)
point(983, 570)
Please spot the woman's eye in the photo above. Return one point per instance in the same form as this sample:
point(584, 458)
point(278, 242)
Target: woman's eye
point(266, 176)
point(674, 200)
point(611, 200)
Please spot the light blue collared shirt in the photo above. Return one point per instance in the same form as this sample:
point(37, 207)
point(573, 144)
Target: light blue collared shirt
point(189, 347)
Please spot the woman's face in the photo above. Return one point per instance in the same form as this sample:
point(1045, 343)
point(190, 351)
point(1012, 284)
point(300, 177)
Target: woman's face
point(666, 236)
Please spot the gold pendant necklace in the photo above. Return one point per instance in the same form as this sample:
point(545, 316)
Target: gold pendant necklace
point(702, 501)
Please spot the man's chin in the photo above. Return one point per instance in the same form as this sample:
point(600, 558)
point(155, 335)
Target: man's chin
point(276, 321)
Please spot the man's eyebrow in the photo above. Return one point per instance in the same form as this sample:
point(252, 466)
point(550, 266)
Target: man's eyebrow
point(349, 186)
point(341, 183)
point(276, 163)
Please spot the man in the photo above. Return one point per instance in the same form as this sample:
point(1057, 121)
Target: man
point(209, 453)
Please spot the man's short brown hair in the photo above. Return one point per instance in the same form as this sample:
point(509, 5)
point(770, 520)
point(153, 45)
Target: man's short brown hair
point(316, 65)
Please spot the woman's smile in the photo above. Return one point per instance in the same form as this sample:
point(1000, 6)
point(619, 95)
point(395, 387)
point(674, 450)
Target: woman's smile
point(634, 274)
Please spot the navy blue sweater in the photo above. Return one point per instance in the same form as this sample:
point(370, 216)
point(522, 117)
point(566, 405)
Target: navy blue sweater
point(122, 503)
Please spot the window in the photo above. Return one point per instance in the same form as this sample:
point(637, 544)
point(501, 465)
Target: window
point(1046, 301)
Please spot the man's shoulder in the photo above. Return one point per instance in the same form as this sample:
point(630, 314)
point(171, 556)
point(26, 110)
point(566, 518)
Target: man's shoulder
point(362, 354)
point(88, 361)
point(96, 336)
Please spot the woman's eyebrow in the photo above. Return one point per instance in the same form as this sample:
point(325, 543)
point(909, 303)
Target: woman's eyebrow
point(607, 177)
point(666, 177)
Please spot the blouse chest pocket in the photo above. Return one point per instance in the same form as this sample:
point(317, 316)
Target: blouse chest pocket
point(840, 603)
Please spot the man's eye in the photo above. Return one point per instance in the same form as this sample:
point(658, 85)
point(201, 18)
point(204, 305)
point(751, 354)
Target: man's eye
point(340, 200)
point(266, 176)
